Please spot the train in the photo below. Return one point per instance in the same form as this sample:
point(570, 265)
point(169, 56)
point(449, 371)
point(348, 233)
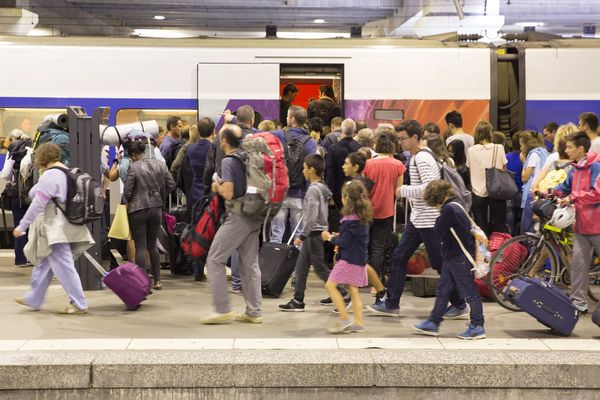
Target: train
point(518, 85)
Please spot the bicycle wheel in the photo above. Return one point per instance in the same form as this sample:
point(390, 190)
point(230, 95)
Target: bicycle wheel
point(524, 255)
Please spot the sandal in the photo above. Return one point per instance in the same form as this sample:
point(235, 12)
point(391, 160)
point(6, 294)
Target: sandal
point(71, 309)
point(157, 286)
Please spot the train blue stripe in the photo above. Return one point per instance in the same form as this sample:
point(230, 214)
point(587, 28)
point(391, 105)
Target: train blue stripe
point(540, 112)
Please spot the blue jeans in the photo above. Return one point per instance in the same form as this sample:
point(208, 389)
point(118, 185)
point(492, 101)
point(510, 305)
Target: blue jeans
point(527, 217)
point(18, 211)
point(411, 239)
point(291, 205)
point(456, 274)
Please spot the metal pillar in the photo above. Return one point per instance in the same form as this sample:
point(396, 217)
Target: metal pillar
point(84, 132)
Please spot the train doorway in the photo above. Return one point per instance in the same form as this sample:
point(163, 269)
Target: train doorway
point(508, 90)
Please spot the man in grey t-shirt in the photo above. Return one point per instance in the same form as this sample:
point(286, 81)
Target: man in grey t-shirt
point(454, 122)
point(588, 123)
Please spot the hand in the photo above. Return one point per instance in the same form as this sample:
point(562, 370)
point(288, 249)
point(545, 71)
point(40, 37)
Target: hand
point(17, 233)
point(214, 187)
point(326, 236)
point(297, 242)
point(522, 157)
point(565, 201)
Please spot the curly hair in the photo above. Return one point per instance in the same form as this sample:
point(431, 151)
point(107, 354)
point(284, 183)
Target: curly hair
point(436, 192)
point(46, 154)
point(357, 201)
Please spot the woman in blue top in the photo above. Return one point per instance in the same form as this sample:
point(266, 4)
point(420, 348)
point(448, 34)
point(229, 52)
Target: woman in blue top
point(350, 267)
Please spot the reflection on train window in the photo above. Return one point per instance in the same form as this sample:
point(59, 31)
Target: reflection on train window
point(388, 114)
point(25, 119)
point(129, 115)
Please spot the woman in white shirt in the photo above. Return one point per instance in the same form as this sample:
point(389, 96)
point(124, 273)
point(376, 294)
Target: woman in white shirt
point(489, 214)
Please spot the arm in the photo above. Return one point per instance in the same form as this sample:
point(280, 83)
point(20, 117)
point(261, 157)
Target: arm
point(330, 175)
point(209, 168)
point(310, 212)
point(113, 174)
point(129, 186)
point(225, 190)
point(169, 181)
point(427, 171)
point(538, 179)
point(591, 196)
point(444, 222)
point(399, 182)
point(526, 173)
point(564, 189)
point(9, 163)
point(310, 146)
point(37, 206)
point(178, 160)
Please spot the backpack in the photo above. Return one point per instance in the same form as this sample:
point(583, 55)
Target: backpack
point(294, 158)
point(14, 185)
point(197, 237)
point(456, 181)
point(172, 153)
point(554, 177)
point(266, 177)
point(84, 203)
point(58, 137)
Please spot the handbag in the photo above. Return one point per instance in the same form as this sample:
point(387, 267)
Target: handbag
point(500, 184)
point(120, 225)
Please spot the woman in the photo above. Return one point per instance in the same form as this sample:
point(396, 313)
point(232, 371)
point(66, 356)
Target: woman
point(54, 242)
point(18, 143)
point(147, 186)
point(533, 155)
point(434, 142)
point(490, 214)
point(456, 150)
point(558, 158)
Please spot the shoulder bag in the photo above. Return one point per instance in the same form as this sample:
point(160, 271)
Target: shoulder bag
point(500, 184)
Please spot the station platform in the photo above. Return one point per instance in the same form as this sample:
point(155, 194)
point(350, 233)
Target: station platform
point(162, 351)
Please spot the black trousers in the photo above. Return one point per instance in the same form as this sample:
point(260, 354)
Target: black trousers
point(381, 230)
point(145, 225)
point(489, 214)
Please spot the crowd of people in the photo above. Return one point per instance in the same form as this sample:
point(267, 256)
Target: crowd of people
point(348, 187)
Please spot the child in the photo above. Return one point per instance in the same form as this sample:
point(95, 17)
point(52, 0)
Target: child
point(314, 218)
point(456, 270)
point(353, 241)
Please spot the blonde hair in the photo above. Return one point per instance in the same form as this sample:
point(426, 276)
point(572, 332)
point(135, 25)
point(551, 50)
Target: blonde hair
point(266, 126)
point(194, 134)
point(563, 131)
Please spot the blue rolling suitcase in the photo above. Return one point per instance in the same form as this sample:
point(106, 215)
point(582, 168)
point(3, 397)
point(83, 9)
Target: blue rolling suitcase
point(543, 301)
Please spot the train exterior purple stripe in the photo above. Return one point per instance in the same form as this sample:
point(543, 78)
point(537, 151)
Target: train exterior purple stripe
point(540, 112)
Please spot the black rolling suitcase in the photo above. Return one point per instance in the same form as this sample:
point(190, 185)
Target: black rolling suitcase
point(277, 262)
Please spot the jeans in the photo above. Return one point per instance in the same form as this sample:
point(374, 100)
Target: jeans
point(145, 225)
point(381, 230)
point(18, 211)
point(411, 239)
point(489, 214)
point(527, 222)
point(456, 275)
point(290, 205)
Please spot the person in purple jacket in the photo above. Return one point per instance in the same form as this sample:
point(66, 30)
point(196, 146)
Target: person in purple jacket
point(54, 242)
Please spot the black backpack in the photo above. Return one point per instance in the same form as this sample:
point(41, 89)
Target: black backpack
point(294, 158)
point(84, 203)
point(172, 153)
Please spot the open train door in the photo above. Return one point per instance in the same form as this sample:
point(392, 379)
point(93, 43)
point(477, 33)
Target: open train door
point(226, 86)
point(507, 109)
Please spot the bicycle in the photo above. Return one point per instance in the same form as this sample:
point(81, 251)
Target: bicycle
point(545, 254)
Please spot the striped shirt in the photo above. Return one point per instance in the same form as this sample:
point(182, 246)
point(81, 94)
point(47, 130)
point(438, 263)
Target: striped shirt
point(423, 168)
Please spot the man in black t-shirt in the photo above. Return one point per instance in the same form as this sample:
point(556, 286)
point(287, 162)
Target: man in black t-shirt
point(237, 233)
point(287, 97)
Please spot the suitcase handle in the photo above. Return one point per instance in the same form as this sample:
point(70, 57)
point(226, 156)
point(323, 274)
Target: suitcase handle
point(95, 263)
point(539, 304)
point(295, 230)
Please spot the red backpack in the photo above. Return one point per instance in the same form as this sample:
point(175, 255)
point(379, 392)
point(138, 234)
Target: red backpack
point(195, 241)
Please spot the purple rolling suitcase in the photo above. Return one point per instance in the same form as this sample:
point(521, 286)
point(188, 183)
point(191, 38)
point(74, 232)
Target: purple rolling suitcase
point(128, 281)
point(543, 301)
point(596, 315)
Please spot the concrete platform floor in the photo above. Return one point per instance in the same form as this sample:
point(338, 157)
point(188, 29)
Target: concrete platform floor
point(174, 313)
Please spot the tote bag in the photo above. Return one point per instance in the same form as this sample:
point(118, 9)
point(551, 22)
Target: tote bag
point(120, 226)
point(500, 184)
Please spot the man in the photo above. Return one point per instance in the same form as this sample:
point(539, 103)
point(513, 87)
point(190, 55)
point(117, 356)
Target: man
point(292, 204)
point(423, 168)
point(549, 134)
point(582, 188)
point(238, 233)
point(334, 175)
point(588, 123)
point(287, 97)
point(171, 139)
point(335, 135)
point(429, 128)
point(454, 122)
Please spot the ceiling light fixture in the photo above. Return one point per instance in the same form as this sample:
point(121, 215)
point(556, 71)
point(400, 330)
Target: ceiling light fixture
point(159, 17)
point(523, 24)
point(319, 21)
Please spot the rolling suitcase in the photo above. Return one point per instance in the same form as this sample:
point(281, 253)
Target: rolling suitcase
point(596, 315)
point(128, 281)
point(543, 301)
point(277, 262)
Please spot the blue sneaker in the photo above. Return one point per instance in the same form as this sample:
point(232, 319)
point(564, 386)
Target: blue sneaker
point(381, 309)
point(427, 327)
point(456, 313)
point(473, 332)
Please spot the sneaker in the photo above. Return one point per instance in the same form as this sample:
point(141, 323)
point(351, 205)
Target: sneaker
point(21, 301)
point(473, 332)
point(218, 318)
point(71, 309)
point(427, 327)
point(292, 306)
point(456, 313)
point(341, 326)
point(348, 307)
point(243, 317)
point(329, 302)
point(381, 309)
point(380, 296)
point(26, 265)
point(581, 307)
point(356, 328)
point(236, 290)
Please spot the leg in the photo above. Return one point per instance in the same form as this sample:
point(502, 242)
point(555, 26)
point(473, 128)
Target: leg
point(61, 262)
point(250, 272)
point(461, 273)
point(316, 253)
point(301, 269)
point(337, 299)
point(442, 295)
point(527, 217)
point(236, 281)
point(18, 213)
point(295, 209)
point(380, 232)
point(357, 305)
point(480, 209)
point(278, 223)
point(583, 250)
point(498, 215)
point(153, 226)
point(137, 222)
point(374, 278)
point(41, 277)
point(408, 244)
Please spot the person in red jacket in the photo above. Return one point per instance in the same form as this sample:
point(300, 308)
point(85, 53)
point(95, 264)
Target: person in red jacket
point(582, 188)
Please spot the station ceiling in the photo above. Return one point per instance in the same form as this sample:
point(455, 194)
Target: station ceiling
point(230, 18)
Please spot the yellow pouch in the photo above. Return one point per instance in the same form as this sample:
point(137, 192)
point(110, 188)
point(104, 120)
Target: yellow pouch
point(120, 225)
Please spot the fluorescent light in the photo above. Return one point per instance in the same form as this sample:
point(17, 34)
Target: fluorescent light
point(382, 47)
point(159, 17)
point(312, 35)
point(163, 33)
point(41, 32)
point(523, 24)
point(319, 21)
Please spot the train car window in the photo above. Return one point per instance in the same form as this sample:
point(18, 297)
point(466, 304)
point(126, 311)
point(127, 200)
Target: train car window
point(25, 119)
point(126, 116)
point(388, 114)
